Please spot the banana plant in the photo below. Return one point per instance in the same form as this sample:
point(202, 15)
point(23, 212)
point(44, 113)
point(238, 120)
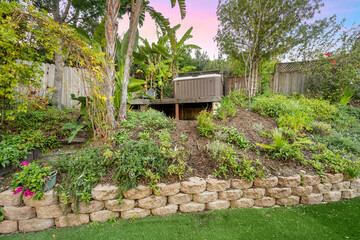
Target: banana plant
point(98, 41)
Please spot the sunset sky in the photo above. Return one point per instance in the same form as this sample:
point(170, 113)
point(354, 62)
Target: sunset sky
point(201, 14)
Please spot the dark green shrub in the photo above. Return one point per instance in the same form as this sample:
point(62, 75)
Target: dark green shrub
point(135, 160)
point(233, 136)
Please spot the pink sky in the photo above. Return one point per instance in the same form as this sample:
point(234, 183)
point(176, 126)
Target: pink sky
point(201, 14)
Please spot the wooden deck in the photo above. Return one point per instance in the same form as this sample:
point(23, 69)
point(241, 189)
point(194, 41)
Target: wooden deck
point(176, 102)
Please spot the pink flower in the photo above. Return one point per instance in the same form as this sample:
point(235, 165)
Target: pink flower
point(28, 193)
point(328, 54)
point(17, 190)
point(25, 163)
point(333, 62)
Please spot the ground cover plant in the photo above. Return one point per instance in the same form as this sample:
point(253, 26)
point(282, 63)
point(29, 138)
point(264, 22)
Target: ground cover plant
point(320, 222)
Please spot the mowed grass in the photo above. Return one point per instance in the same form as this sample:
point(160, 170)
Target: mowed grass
point(339, 220)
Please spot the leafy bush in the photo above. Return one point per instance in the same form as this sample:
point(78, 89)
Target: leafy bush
point(82, 170)
point(135, 160)
point(239, 98)
point(321, 128)
point(226, 110)
point(281, 148)
point(148, 120)
point(277, 105)
point(233, 136)
point(205, 124)
point(31, 179)
point(297, 122)
point(339, 164)
point(229, 162)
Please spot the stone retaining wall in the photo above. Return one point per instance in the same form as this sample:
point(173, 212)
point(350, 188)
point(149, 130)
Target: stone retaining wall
point(194, 195)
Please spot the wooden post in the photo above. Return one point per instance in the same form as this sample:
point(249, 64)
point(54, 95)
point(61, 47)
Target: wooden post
point(182, 111)
point(176, 111)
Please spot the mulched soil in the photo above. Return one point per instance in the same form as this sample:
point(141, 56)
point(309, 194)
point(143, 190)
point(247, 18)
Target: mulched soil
point(203, 165)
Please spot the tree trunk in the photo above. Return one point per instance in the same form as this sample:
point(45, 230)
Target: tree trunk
point(133, 24)
point(58, 80)
point(111, 27)
point(254, 78)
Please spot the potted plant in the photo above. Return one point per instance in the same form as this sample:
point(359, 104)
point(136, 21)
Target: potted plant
point(33, 180)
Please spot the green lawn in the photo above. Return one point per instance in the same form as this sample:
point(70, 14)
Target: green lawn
point(339, 220)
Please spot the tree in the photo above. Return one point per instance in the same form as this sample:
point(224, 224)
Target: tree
point(250, 30)
point(80, 13)
point(136, 9)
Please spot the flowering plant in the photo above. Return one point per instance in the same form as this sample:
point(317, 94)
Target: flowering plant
point(30, 179)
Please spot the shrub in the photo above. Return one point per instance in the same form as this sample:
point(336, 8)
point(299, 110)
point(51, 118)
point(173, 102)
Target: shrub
point(135, 160)
point(149, 120)
point(321, 128)
point(205, 124)
point(229, 162)
point(226, 110)
point(239, 98)
point(233, 136)
point(297, 122)
point(82, 170)
point(30, 179)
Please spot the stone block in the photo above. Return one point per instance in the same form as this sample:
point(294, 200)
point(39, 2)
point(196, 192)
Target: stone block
point(8, 226)
point(290, 182)
point(135, 213)
point(290, 201)
point(341, 186)
point(278, 192)
point(52, 211)
point(50, 198)
point(8, 198)
point(334, 178)
point(312, 199)
point(104, 192)
point(169, 189)
point(72, 220)
point(302, 191)
point(218, 204)
point(138, 193)
point(243, 203)
point(35, 225)
point(19, 213)
point(166, 210)
point(125, 205)
point(241, 183)
point(254, 193)
point(103, 215)
point(192, 207)
point(194, 185)
point(205, 197)
point(152, 202)
point(310, 180)
point(216, 185)
point(180, 198)
point(264, 202)
point(332, 196)
point(322, 188)
point(355, 184)
point(232, 194)
point(266, 182)
point(349, 193)
point(93, 206)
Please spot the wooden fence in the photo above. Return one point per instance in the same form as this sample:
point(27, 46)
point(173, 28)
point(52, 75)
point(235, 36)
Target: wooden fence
point(287, 79)
point(72, 84)
point(237, 83)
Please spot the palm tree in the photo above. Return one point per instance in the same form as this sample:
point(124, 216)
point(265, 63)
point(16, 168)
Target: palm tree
point(136, 11)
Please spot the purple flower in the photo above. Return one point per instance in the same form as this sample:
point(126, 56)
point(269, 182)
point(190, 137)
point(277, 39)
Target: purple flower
point(17, 190)
point(25, 163)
